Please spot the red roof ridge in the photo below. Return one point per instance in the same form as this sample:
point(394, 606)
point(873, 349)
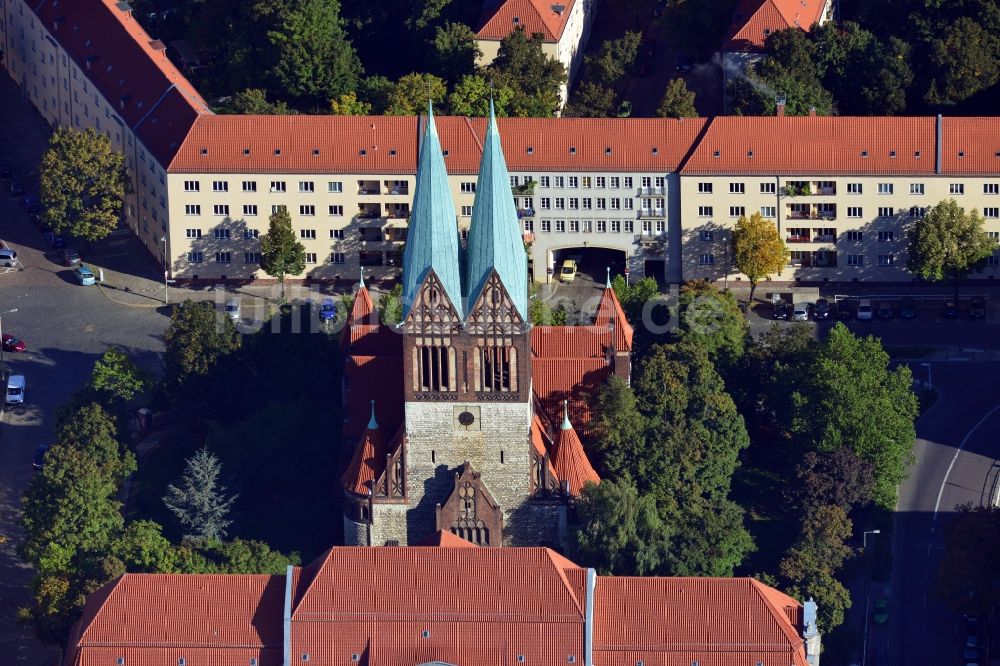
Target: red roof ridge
point(87, 619)
point(771, 597)
point(569, 458)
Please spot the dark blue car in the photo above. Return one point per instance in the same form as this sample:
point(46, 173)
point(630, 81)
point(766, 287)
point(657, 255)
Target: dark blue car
point(328, 310)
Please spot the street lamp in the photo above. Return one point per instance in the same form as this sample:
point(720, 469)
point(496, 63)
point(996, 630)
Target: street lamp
point(864, 538)
point(166, 289)
point(930, 380)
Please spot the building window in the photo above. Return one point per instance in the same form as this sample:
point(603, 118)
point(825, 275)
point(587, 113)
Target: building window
point(574, 226)
point(707, 235)
point(854, 188)
point(250, 234)
point(706, 260)
point(630, 225)
point(336, 211)
point(251, 257)
point(337, 258)
point(307, 233)
point(277, 208)
point(574, 203)
point(768, 188)
point(221, 234)
point(991, 188)
point(916, 188)
point(736, 188)
point(335, 187)
point(560, 225)
point(855, 236)
point(586, 203)
point(886, 236)
point(886, 260)
point(602, 226)
point(220, 209)
point(468, 187)
point(559, 181)
point(307, 186)
point(956, 188)
point(616, 226)
point(223, 257)
point(705, 188)
point(991, 212)
point(855, 260)
point(497, 368)
point(220, 186)
point(704, 211)
point(615, 182)
point(191, 186)
point(768, 211)
point(601, 181)
point(195, 257)
point(250, 209)
point(854, 211)
point(310, 257)
point(192, 233)
point(466, 211)
point(337, 234)
point(545, 203)
point(627, 182)
point(737, 211)
point(277, 186)
point(543, 181)
point(249, 185)
point(885, 188)
point(307, 210)
point(886, 211)
point(192, 209)
point(602, 203)
point(546, 226)
point(574, 181)
point(529, 226)
point(560, 203)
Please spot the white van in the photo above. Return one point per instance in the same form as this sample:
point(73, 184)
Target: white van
point(15, 390)
point(865, 310)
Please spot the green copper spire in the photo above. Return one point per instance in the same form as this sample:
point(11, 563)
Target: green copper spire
point(495, 242)
point(566, 425)
point(372, 423)
point(432, 239)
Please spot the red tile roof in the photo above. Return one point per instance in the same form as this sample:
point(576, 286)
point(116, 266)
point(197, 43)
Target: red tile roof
point(119, 58)
point(542, 443)
point(535, 16)
point(571, 462)
point(754, 20)
point(367, 462)
point(610, 310)
point(457, 604)
point(970, 146)
point(374, 376)
point(817, 145)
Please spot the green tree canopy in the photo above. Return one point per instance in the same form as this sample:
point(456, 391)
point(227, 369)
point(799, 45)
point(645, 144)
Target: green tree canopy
point(254, 102)
point(619, 430)
point(314, 61)
point(966, 577)
point(948, 243)
point(199, 501)
point(413, 92)
point(712, 320)
point(390, 306)
point(281, 253)
point(965, 55)
point(118, 378)
point(592, 100)
point(535, 78)
point(348, 104)
point(614, 60)
point(830, 478)
point(83, 184)
point(455, 51)
point(471, 97)
point(198, 337)
point(677, 102)
point(758, 250)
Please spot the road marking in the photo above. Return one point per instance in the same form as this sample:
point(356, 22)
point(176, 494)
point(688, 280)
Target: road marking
point(961, 446)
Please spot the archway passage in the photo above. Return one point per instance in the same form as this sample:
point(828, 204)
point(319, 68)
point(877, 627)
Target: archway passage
point(591, 263)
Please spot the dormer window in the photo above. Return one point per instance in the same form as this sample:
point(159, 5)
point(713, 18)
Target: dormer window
point(656, 151)
point(531, 150)
point(444, 153)
point(517, 20)
point(892, 153)
point(717, 154)
point(607, 151)
point(864, 153)
point(277, 152)
point(392, 152)
point(204, 151)
point(362, 152)
point(315, 152)
point(572, 150)
point(246, 151)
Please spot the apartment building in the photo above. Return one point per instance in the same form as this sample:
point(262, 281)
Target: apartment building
point(841, 191)
point(563, 24)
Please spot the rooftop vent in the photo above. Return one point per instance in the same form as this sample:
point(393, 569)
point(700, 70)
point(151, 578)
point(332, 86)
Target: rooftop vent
point(717, 154)
point(531, 150)
point(124, 7)
point(204, 151)
point(517, 20)
point(355, 657)
point(572, 150)
point(607, 151)
point(246, 151)
point(916, 153)
point(315, 152)
point(961, 153)
point(277, 151)
point(392, 152)
point(120, 661)
point(157, 45)
point(892, 153)
point(749, 153)
point(864, 153)
point(656, 151)
point(444, 153)
point(425, 633)
point(997, 154)
point(362, 152)
point(559, 9)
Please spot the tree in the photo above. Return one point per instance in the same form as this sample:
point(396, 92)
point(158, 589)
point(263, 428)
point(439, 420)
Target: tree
point(712, 320)
point(471, 97)
point(835, 478)
point(253, 102)
point(948, 242)
point(850, 397)
point(790, 67)
point(535, 78)
point(376, 91)
point(281, 252)
point(314, 61)
point(455, 51)
point(677, 102)
point(708, 539)
point(200, 502)
point(592, 100)
point(619, 430)
point(758, 250)
point(83, 184)
point(967, 573)
point(634, 295)
point(118, 378)
point(195, 341)
point(615, 59)
point(698, 26)
point(413, 92)
point(142, 548)
point(390, 306)
point(831, 597)
point(620, 530)
point(965, 56)
point(348, 104)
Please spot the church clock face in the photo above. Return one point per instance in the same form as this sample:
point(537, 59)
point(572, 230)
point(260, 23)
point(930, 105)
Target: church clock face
point(467, 418)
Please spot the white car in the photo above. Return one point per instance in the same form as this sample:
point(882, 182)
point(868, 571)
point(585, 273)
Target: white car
point(865, 310)
point(800, 312)
point(233, 309)
point(8, 257)
point(15, 390)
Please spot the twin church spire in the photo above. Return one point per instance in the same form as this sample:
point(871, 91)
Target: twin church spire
point(494, 242)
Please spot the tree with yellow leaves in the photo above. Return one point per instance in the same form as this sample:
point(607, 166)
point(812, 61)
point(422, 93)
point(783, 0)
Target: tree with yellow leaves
point(758, 250)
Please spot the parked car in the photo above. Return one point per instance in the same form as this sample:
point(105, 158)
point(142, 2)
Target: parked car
point(844, 311)
point(13, 344)
point(8, 257)
point(780, 310)
point(907, 309)
point(977, 307)
point(568, 271)
point(38, 461)
point(865, 310)
point(880, 613)
point(233, 309)
point(84, 276)
point(15, 390)
point(328, 310)
point(950, 310)
point(800, 312)
point(55, 240)
point(821, 309)
point(884, 310)
point(69, 257)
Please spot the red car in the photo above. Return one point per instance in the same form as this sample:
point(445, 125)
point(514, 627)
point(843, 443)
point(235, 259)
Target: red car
point(12, 344)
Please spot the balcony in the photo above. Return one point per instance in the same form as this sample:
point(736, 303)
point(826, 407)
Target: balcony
point(811, 212)
point(369, 211)
point(369, 187)
point(397, 187)
point(370, 234)
point(809, 188)
point(798, 239)
point(396, 234)
point(525, 212)
point(529, 237)
point(397, 211)
point(652, 212)
point(824, 238)
point(652, 191)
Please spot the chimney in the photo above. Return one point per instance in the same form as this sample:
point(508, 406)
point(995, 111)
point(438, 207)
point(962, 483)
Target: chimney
point(937, 158)
point(287, 618)
point(588, 619)
point(812, 111)
point(810, 633)
point(779, 104)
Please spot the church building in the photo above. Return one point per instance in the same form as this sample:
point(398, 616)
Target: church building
point(464, 415)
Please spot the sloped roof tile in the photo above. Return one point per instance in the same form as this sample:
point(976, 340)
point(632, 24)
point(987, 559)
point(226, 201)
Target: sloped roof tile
point(754, 20)
point(535, 16)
